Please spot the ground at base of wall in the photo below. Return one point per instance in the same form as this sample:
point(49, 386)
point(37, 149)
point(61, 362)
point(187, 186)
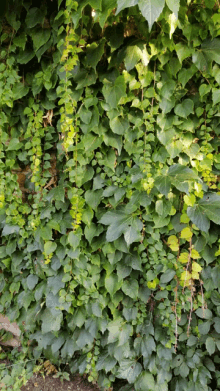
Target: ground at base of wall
point(48, 383)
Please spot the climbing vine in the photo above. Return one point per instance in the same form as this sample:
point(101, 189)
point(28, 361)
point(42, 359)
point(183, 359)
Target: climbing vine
point(109, 188)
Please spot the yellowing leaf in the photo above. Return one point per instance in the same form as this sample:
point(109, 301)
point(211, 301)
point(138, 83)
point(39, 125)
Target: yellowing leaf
point(153, 284)
point(195, 276)
point(173, 211)
point(186, 233)
point(196, 267)
point(189, 200)
point(173, 243)
point(184, 218)
point(185, 276)
point(198, 188)
point(195, 254)
point(184, 257)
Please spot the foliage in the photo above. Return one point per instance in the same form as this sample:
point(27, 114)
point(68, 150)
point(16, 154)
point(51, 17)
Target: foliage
point(109, 191)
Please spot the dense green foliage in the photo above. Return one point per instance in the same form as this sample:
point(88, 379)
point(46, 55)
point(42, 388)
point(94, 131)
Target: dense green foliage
point(109, 190)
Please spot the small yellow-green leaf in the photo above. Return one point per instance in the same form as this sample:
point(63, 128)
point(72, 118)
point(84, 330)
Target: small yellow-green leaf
point(196, 267)
point(184, 218)
point(173, 243)
point(184, 257)
point(186, 233)
point(195, 275)
point(185, 276)
point(189, 199)
point(195, 254)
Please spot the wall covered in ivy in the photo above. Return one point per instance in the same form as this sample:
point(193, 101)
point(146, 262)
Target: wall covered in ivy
point(109, 187)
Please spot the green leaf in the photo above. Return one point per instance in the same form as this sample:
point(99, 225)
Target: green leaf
point(217, 324)
point(129, 370)
point(174, 6)
point(122, 4)
point(119, 222)
point(147, 345)
point(204, 327)
point(94, 53)
point(14, 145)
point(123, 271)
point(119, 125)
point(131, 235)
point(32, 281)
point(145, 382)
point(207, 209)
point(111, 283)
point(215, 95)
point(113, 92)
point(50, 322)
point(183, 51)
point(201, 61)
point(25, 56)
point(21, 40)
point(215, 297)
point(196, 214)
point(151, 10)
point(185, 108)
point(106, 8)
point(135, 53)
point(210, 51)
point(163, 183)
point(40, 37)
point(125, 332)
point(114, 330)
point(57, 344)
point(34, 16)
point(130, 288)
point(181, 173)
point(73, 240)
point(10, 229)
point(93, 198)
point(49, 247)
point(184, 370)
point(204, 313)
point(20, 90)
point(167, 276)
point(210, 345)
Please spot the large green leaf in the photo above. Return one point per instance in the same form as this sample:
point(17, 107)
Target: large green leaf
point(113, 92)
point(174, 6)
point(122, 4)
point(210, 345)
point(163, 183)
point(119, 222)
point(210, 51)
point(130, 288)
point(178, 176)
point(40, 37)
point(32, 280)
point(49, 247)
point(196, 214)
point(134, 53)
point(34, 16)
point(151, 10)
point(20, 90)
point(145, 382)
point(119, 125)
point(207, 209)
point(185, 108)
point(50, 322)
point(94, 53)
point(111, 283)
point(129, 370)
